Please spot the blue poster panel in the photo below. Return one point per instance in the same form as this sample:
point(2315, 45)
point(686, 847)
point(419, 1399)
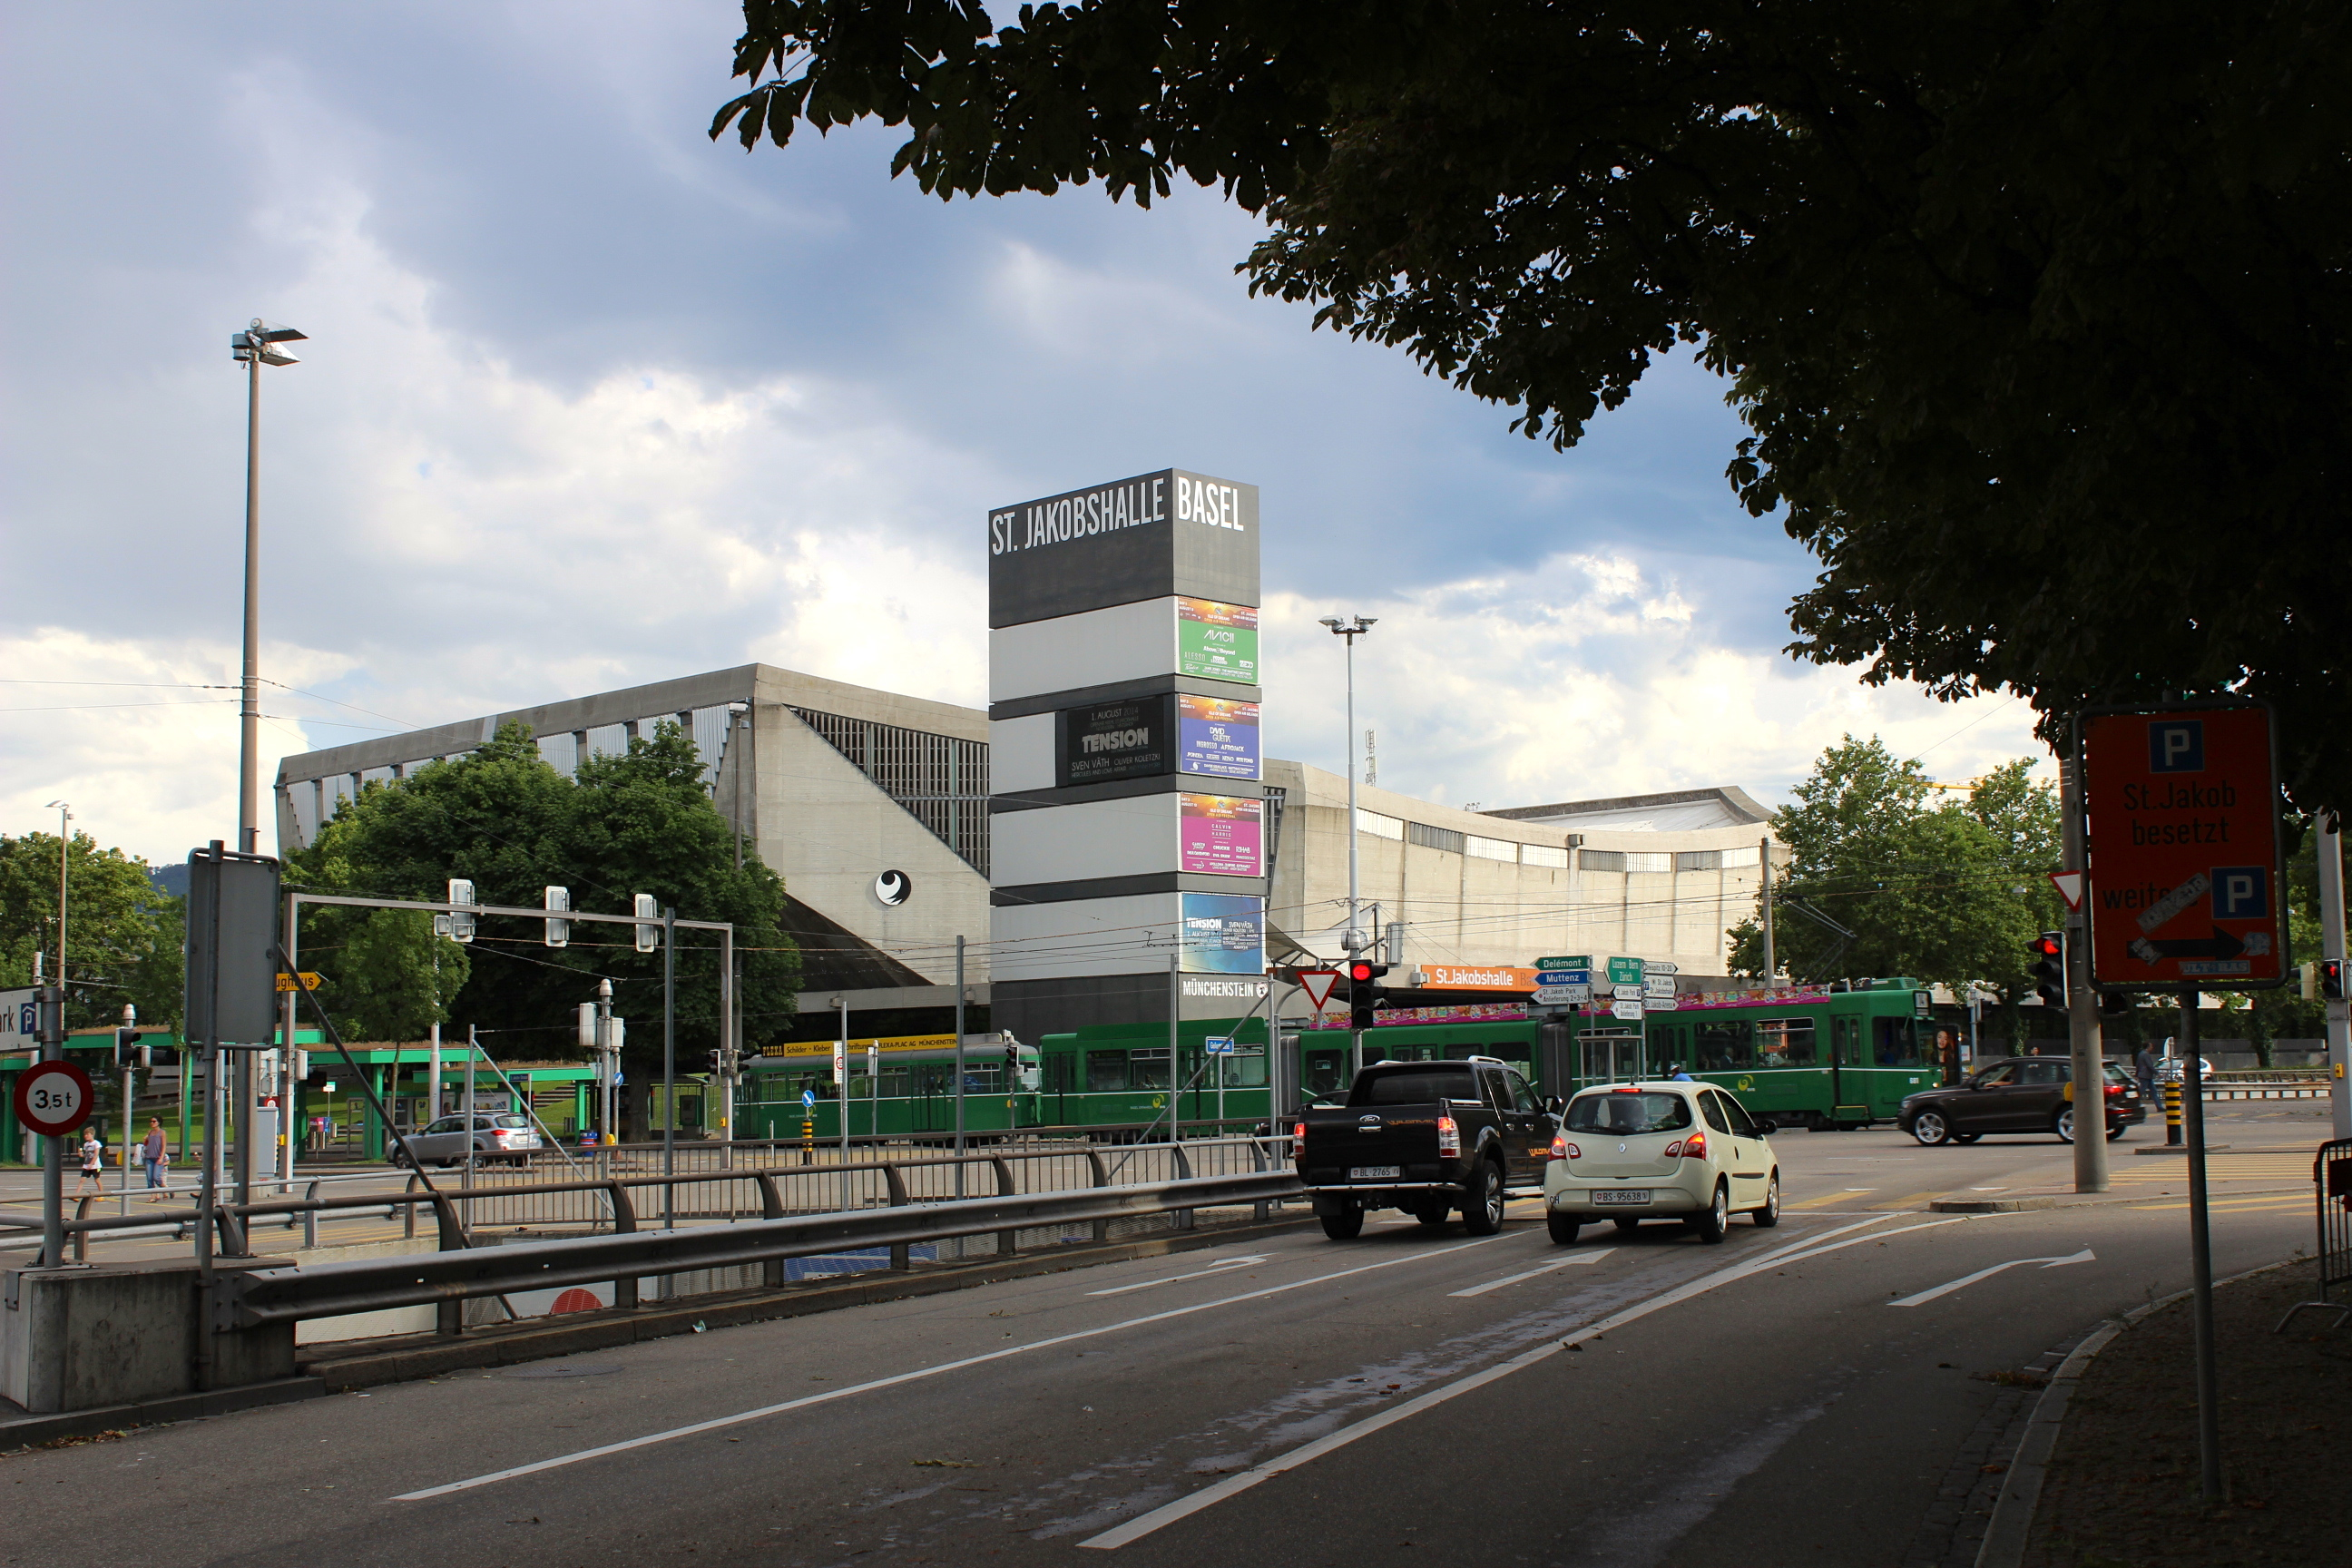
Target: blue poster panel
point(1216, 737)
point(1225, 933)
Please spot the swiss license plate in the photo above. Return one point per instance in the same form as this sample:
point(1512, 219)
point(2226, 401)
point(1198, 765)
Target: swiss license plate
point(1620, 1195)
point(1373, 1173)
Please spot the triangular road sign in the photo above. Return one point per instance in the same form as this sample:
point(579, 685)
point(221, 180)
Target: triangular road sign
point(1319, 984)
point(2070, 887)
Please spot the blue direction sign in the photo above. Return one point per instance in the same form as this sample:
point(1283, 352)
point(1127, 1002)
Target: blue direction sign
point(1563, 978)
point(808, 1098)
point(1219, 1044)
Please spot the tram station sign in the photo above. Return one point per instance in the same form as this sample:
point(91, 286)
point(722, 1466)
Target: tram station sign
point(2180, 818)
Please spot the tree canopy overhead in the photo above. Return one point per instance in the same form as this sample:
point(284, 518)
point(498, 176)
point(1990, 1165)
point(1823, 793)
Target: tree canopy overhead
point(2036, 310)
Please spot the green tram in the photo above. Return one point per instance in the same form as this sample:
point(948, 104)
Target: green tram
point(1843, 1057)
point(898, 1086)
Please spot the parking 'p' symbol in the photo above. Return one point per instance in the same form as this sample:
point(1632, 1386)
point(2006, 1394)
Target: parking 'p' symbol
point(2175, 746)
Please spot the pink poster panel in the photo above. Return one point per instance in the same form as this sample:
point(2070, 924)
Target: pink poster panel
point(1222, 835)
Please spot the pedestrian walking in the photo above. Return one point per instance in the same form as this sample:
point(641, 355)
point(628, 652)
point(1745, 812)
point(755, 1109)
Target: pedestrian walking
point(157, 1151)
point(93, 1163)
point(2143, 1069)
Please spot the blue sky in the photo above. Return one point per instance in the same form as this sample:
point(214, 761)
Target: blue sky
point(593, 400)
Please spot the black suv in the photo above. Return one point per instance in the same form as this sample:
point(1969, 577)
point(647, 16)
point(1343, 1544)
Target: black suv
point(2022, 1094)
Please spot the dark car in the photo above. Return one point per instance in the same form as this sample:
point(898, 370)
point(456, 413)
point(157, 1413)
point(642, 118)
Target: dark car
point(2022, 1094)
point(1428, 1138)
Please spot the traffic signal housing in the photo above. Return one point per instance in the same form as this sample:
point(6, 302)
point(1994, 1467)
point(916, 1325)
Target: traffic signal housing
point(128, 1052)
point(1363, 990)
point(2048, 952)
point(2331, 980)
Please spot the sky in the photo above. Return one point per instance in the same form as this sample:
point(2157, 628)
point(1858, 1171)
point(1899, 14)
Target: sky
point(591, 400)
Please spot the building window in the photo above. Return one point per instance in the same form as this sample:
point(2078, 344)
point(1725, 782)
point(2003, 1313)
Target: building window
point(1601, 859)
point(1733, 860)
point(1698, 860)
point(1490, 848)
point(1543, 855)
point(1378, 827)
point(1430, 837)
point(1645, 860)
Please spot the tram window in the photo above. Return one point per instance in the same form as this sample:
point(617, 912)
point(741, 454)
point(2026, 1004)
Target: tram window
point(1059, 1074)
point(1897, 1043)
point(1245, 1070)
point(1322, 1071)
point(1106, 1071)
point(1785, 1043)
point(1848, 1042)
point(1724, 1046)
point(1147, 1069)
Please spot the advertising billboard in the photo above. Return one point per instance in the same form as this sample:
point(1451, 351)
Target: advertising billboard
point(2180, 810)
point(1106, 741)
point(1223, 933)
point(1216, 641)
point(1216, 737)
point(1220, 834)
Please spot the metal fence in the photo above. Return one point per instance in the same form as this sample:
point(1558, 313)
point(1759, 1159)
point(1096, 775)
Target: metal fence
point(2331, 1181)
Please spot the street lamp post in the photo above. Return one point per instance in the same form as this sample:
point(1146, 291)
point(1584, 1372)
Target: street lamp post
point(254, 346)
point(1351, 628)
point(53, 1154)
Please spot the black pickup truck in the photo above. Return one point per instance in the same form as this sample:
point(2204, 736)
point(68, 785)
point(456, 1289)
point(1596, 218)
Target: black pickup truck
point(1428, 1138)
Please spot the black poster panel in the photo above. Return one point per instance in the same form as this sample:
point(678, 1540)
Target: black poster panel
point(1130, 739)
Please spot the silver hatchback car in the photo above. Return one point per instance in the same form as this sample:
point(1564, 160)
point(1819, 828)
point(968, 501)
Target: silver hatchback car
point(495, 1137)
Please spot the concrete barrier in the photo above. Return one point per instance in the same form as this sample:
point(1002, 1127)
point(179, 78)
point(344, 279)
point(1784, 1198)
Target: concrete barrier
point(77, 1339)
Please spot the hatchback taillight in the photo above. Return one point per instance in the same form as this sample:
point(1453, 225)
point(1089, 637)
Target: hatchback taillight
point(1691, 1148)
point(1449, 1136)
point(1561, 1148)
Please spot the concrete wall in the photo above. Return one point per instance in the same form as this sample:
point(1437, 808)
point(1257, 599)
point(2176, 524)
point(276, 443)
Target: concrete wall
point(81, 1339)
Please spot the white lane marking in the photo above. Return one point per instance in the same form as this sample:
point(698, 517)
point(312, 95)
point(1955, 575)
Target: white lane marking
point(1595, 1256)
point(896, 1378)
point(2085, 1256)
point(1196, 1274)
point(1144, 1524)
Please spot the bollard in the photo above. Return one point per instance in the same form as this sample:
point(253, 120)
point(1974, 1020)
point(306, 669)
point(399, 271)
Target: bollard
point(2172, 1116)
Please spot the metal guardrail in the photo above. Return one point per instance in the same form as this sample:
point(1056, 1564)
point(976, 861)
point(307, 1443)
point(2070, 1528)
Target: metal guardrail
point(2266, 1090)
point(2331, 1181)
point(730, 1195)
point(449, 1278)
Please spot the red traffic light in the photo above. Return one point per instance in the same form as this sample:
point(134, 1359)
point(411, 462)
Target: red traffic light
point(1359, 970)
point(2043, 946)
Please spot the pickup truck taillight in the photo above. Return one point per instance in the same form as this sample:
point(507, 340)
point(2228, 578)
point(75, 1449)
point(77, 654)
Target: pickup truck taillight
point(1299, 1137)
point(1449, 1137)
point(1561, 1148)
point(1691, 1148)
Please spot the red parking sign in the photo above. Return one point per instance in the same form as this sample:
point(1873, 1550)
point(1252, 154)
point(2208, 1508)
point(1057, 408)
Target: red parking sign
point(2180, 819)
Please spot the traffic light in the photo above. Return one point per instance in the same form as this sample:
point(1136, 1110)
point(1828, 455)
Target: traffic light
point(2048, 951)
point(718, 1064)
point(128, 1052)
point(647, 909)
point(1011, 1066)
point(1363, 990)
point(2331, 980)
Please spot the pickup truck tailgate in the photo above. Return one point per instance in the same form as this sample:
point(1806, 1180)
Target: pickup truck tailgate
point(1387, 1139)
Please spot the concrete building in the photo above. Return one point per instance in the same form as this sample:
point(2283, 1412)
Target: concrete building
point(873, 807)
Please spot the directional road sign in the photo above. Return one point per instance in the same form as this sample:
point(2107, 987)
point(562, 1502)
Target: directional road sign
point(1658, 985)
point(1563, 978)
point(2181, 813)
point(1219, 1044)
point(310, 980)
point(808, 1100)
point(52, 1098)
point(1628, 1011)
point(1659, 966)
point(1562, 995)
point(1626, 971)
point(1627, 991)
point(1579, 960)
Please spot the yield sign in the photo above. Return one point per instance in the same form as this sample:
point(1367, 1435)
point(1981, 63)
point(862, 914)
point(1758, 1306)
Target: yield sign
point(2070, 887)
point(1318, 984)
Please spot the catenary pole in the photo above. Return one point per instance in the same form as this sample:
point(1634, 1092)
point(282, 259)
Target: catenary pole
point(2331, 945)
point(2088, 1071)
point(669, 1070)
point(1764, 901)
point(248, 722)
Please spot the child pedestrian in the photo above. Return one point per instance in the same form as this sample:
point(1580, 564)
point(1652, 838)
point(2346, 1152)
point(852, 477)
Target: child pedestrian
point(93, 1162)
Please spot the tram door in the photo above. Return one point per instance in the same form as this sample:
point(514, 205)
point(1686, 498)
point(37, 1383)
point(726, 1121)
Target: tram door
point(1613, 1056)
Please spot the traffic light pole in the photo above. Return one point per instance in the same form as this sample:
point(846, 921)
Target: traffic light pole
point(2088, 1070)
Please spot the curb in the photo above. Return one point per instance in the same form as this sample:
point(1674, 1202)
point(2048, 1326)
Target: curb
point(2074, 1199)
point(27, 1430)
point(539, 1339)
point(2005, 1537)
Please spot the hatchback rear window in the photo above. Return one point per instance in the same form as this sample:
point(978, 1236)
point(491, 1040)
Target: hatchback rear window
point(1613, 1111)
point(1415, 1088)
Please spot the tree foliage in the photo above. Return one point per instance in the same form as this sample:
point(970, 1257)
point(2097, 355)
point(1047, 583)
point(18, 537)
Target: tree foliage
point(123, 936)
point(2037, 310)
point(625, 824)
point(1950, 892)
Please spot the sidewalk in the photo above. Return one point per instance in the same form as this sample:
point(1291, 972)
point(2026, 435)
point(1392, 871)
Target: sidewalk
point(2121, 1491)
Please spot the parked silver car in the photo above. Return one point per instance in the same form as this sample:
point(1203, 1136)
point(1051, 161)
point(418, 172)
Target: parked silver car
point(444, 1143)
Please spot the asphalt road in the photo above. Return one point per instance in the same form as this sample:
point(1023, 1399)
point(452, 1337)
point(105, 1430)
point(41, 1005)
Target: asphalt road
point(1802, 1395)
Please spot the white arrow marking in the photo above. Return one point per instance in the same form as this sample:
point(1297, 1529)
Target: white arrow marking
point(2085, 1256)
point(1172, 1278)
